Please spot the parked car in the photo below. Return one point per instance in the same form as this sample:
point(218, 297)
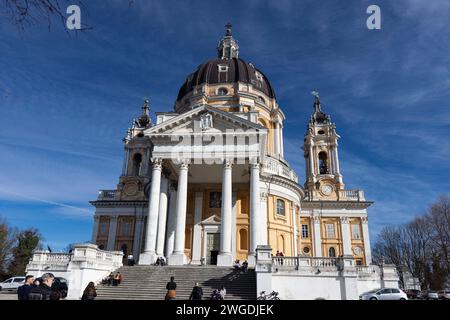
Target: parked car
point(414, 294)
point(384, 294)
point(444, 294)
point(431, 295)
point(12, 283)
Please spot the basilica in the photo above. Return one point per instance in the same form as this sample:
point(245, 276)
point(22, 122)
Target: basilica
point(208, 183)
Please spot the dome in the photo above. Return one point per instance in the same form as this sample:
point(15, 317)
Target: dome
point(232, 70)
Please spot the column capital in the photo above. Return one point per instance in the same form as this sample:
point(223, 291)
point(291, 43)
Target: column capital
point(344, 219)
point(316, 219)
point(228, 163)
point(140, 218)
point(365, 219)
point(113, 218)
point(96, 218)
point(263, 196)
point(255, 165)
point(184, 163)
point(156, 163)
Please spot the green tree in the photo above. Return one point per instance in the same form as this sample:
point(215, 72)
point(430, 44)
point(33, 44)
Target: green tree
point(27, 241)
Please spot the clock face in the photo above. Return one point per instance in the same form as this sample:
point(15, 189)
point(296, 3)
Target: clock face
point(327, 189)
point(131, 189)
point(357, 250)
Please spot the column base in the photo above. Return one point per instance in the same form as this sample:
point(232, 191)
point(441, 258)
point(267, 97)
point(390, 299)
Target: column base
point(196, 262)
point(225, 260)
point(251, 260)
point(177, 259)
point(147, 258)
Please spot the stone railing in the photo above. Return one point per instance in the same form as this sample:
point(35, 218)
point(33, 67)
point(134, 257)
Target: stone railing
point(106, 195)
point(351, 195)
point(367, 270)
point(274, 166)
point(306, 262)
point(86, 263)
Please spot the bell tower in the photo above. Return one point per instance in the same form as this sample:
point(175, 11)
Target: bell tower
point(323, 176)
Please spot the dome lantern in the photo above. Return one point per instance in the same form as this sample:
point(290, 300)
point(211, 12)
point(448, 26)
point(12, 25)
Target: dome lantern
point(228, 47)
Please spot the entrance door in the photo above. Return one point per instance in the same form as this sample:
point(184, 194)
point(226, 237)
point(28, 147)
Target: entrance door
point(212, 247)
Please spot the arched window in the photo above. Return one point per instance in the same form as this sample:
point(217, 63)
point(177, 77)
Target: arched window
point(137, 162)
point(243, 242)
point(332, 252)
point(101, 247)
point(323, 163)
point(281, 243)
point(281, 207)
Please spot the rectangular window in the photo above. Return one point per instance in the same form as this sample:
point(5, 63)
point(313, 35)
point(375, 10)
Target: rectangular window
point(126, 229)
point(330, 230)
point(280, 207)
point(305, 231)
point(356, 234)
point(103, 229)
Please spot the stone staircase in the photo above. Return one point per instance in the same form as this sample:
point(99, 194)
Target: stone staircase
point(149, 283)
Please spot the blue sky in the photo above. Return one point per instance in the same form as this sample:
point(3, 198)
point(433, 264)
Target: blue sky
point(66, 101)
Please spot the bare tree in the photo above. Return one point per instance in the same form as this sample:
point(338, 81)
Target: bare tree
point(24, 13)
point(7, 242)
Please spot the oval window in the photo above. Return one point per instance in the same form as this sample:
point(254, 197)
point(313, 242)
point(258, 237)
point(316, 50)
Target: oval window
point(321, 132)
point(222, 92)
point(306, 250)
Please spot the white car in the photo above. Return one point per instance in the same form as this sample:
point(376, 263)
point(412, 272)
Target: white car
point(12, 283)
point(384, 294)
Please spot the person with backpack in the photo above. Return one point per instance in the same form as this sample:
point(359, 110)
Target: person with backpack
point(197, 292)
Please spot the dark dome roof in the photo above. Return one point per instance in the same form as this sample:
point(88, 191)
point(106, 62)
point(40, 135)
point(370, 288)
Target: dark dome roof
point(238, 70)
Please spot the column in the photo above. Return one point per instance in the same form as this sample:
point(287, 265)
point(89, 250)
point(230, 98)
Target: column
point(317, 237)
point(276, 140)
point(171, 221)
point(281, 141)
point(225, 257)
point(197, 238)
point(178, 257)
point(346, 239)
point(311, 162)
point(126, 158)
point(137, 241)
point(256, 227)
point(294, 223)
point(365, 231)
point(95, 230)
point(263, 219)
point(233, 224)
point(162, 218)
point(336, 157)
point(112, 233)
point(148, 257)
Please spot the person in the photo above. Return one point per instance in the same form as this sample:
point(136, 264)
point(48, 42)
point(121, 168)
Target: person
point(44, 290)
point(197, 292)
point(163, 261)
point(23, 291)
point(118, 279)
point(158, 262)
point(171, 289)
point(245, 266)
point(237, 265)
point(215, 295)
point(130, 260)
point(111, 279)
point(90, 292)
point(281, 257)
point(222, 293)
point(36, 283)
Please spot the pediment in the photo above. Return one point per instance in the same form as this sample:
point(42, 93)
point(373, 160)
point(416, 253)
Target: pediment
point(205, 120)
point(212, 220)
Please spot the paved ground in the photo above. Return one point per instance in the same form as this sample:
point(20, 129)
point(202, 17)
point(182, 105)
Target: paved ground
point(8, 296)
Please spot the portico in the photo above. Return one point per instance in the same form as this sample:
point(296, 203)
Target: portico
point(205, 179)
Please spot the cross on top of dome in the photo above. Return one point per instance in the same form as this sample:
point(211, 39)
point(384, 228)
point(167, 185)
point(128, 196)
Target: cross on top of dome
point(228, 47)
